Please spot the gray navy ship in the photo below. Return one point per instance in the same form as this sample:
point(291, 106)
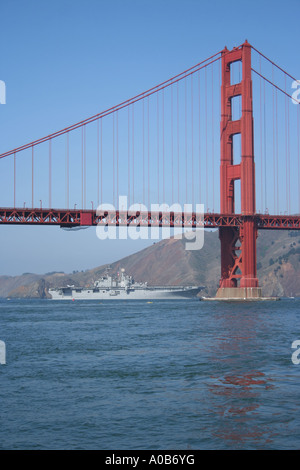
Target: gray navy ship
point(123, 287)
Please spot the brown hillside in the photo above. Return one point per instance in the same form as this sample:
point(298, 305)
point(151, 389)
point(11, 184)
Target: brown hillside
point(169, 263)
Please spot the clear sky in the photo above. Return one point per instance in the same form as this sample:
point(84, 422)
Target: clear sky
point(65, 60)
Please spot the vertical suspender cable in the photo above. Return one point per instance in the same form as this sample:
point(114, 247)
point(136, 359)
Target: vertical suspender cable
point(289, 156)
point(298, 137)
point(98, 165)
point(172, 146)
point(14, 179)
point(199, 132)
point(178, 149)
point(82, 165)
point(261, 137)
point(185, 132)
point(32, 175)
point(67, 169)
point(212, 134)
point(50, 171)
point(117, 156)
point(113, 151)
point(265, 147)
point(157, 129)
point(276, 134)
point(148, 141)
point(143, 151)
point(133, 153)
point(128, 118)
point(273, 152)
point(84, 161)
point(206, 154)
point(163, 144)
point(220, 81)
point(286, 148)
point(101, 166)
point(84, 148)
point(192, 138)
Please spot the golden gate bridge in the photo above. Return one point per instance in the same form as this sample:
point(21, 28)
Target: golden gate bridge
point(224, 133)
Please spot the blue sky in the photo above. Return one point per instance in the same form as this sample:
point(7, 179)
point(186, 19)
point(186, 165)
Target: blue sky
point(63, 61)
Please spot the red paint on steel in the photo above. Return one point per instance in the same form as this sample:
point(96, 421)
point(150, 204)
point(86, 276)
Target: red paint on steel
point(238, 245)
point(74, 218)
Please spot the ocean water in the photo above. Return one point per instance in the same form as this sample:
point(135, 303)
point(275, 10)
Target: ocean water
point(135, 375)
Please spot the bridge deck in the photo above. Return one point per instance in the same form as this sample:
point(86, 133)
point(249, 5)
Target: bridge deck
point(74, 218)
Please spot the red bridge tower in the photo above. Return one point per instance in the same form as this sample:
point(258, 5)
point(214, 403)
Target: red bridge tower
point(238, 244)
